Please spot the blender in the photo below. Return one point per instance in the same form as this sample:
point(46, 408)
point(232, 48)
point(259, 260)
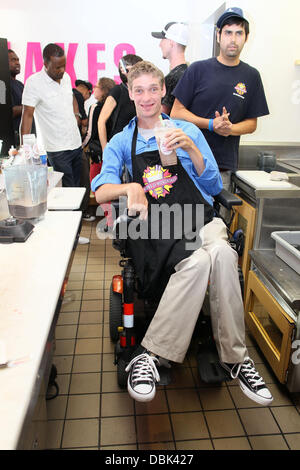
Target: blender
point(26, 194)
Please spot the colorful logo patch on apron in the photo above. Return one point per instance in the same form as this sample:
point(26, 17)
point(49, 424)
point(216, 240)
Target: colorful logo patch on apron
point(241, 89)
point(158, 181)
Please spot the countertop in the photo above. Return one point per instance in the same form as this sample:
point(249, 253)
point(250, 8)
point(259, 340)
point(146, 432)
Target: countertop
point(32, 274)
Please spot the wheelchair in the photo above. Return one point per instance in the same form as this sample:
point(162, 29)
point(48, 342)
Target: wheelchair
point(130, 313)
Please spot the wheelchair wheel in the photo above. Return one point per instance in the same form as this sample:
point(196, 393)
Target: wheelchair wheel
point(122, 375)
point(115, 314)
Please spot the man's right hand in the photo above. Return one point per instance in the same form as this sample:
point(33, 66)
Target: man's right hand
point(137, 200)
point(222, 125)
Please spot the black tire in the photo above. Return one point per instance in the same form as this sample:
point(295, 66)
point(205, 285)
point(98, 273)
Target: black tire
point(122, 375)
point(115, 314)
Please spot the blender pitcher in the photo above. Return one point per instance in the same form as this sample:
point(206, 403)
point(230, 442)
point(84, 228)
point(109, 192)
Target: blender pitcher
point(26, 190)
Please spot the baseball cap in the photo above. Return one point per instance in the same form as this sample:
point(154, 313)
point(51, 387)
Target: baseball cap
point(230, 13)
point(88, 85)
point(177, 32)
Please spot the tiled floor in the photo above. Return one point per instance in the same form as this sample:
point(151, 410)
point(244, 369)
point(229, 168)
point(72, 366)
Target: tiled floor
point(91, 412)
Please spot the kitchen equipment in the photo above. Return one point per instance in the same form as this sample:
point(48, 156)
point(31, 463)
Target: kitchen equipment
point(288, 248)
point(26, 190)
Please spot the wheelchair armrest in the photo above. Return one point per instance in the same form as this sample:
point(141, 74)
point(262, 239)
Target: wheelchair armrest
point(227, 199)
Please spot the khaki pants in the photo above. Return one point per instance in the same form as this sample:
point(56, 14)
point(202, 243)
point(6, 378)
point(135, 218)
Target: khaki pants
point(170, 332)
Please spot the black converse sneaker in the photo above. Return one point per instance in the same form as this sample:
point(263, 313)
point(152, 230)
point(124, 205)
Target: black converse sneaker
point(142, 377)
point(251, 383)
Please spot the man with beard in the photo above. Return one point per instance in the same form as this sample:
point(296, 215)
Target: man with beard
point(223, 96)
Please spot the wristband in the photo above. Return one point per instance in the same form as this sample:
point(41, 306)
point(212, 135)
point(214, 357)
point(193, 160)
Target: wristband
point(211, 125)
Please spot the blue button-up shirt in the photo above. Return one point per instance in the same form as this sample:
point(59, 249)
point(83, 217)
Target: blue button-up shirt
point(117, 153)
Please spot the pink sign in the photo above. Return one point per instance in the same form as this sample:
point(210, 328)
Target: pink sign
point(95, 63)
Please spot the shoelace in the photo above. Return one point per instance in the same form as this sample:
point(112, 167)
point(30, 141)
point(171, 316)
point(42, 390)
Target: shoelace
point(145, 368)
point(248, 368)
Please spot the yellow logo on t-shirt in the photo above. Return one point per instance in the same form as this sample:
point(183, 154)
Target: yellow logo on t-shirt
point(241, 89)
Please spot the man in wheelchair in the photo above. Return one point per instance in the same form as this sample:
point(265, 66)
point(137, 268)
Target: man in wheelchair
point(195, 180)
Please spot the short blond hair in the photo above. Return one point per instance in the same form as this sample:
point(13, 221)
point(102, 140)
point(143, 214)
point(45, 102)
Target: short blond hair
point(142, 68)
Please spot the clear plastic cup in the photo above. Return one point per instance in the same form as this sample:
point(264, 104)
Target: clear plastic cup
point(168, 157)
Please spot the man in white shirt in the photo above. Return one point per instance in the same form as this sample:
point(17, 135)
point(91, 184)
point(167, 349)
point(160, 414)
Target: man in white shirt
point(48, 95)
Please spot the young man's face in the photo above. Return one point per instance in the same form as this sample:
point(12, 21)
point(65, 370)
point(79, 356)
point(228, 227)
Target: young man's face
point(232, 40)
point(147, 93)
point(55, 68)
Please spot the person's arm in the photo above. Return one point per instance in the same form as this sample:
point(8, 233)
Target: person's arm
point(136, 199)
point(248, 126)
point(17, 110)
point(76, 111)
point(179, 111)
point(26, 120)
point(106, 111)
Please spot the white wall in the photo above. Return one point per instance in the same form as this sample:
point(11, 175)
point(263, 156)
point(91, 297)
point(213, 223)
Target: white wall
point(273, 44)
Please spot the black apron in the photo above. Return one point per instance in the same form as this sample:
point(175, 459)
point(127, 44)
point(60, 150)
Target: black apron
point(154, 259)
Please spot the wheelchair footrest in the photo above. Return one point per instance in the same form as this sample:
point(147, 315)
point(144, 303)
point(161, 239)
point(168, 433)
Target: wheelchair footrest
point(165, 375)
point(209, 367)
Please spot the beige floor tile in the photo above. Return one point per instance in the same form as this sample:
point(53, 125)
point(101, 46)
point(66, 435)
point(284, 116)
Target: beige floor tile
point(116, 404)
point(259, 421)
point(63, 364)
point(91, 317)
point(65, 331)
point(90, 331)
point(73, 306)
point(288, 418)
point(85, 383)
point(153, 428)
point(96, 268)
point(203, 444)
point(158, 405)
point(189, 426)
point(109, 382)
point(108, 345)
point(216, 398)
point(83, 406)
point(232, 443)
point(268, 443)
point(95, 276)
point(54, 434)
point(63, 382)
point(93, 285)
point(117, 431)
point(108, 364)
point(80, 433)
point(71, 296)
point(240, 399)
point(293, 441)
point(224, 423)
point(183, 400)
point(87, 363)
point(74, 285)
point(88, 346)
point(91, 294)
point(68, 318)
point(157, 446)
point(91, 305)
point(56, 408)
point(77, 276)
point(119, 447)
point(64, 347)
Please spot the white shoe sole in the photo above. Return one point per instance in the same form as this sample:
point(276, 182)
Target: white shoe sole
point(138, 396)
point(253, 396)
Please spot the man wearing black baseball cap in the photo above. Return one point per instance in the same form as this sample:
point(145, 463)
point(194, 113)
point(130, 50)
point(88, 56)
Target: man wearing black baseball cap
point(223, 96)
point(174, 39)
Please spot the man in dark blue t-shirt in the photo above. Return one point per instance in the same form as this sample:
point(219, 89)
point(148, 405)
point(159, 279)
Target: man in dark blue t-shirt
point(223, 96)
point(17, 88)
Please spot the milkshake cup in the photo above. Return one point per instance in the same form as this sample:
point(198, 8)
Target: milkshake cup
point(163, 127)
